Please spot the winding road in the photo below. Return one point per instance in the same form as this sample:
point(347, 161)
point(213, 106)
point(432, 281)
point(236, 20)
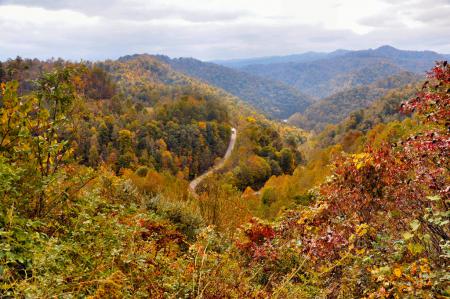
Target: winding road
point(194, 183)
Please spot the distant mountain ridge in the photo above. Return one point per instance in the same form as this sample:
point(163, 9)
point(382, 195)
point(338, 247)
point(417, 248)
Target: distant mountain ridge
point(323, 77)
point(303, 57)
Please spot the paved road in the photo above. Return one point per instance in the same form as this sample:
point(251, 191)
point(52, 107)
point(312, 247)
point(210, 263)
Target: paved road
point(194, 183)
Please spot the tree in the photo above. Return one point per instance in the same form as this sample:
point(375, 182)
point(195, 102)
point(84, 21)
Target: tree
point(55, 95)
point(98, 84)
point(125, 140)
point(31, 127)
point(286, 160)
point(14, 114)
point(94, 155)
point(2, 73)
point(253, 173)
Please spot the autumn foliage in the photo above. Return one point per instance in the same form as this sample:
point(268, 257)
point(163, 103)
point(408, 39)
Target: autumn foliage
point(94, 198)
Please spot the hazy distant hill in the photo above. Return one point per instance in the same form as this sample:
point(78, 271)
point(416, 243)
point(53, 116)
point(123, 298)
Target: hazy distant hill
point(304, 57)
point(323, 77)
point(273, 98)
point(413, 61)
point(337, 107)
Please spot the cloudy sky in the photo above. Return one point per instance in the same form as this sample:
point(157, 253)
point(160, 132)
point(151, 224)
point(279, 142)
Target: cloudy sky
point(217, 29)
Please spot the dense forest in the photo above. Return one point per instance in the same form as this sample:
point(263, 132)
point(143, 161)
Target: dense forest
point(96, 160)
point(122, 131)
point(335, 108)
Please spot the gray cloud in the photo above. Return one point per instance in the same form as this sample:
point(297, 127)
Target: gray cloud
point(428, 12)
point(134, 10)
point(113, 29)
point(381, 21)
point(84, 6)
point(112, 39)
point(435, 15)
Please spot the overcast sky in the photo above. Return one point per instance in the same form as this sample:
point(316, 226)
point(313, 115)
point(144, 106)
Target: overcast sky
point(217, 29)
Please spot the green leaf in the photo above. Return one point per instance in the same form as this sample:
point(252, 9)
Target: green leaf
point(415, 224)
point(415, 248)
point(427, 238)
point(407, 236)
point(434, 197)
point(385, 270)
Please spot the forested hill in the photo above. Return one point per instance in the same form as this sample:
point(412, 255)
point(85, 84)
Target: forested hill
point(335, 108)
point(383, 116)
point(137, 113)
point(273, 98)
point(323, 77)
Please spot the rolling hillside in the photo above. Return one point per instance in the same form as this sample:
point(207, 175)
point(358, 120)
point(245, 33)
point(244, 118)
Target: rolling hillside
point(382, 111)
point(335, 108)
point(324, 77)
point(273, 98)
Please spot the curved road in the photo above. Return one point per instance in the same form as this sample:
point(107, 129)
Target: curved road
point(194, 183)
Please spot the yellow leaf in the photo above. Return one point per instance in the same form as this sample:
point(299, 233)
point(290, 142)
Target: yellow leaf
point(251, 119)
point(4, 118)
point(352, 238)
point(361, 230)
point(202, 125)
point(424, 269)
point(360, 160)
point(398, 272)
